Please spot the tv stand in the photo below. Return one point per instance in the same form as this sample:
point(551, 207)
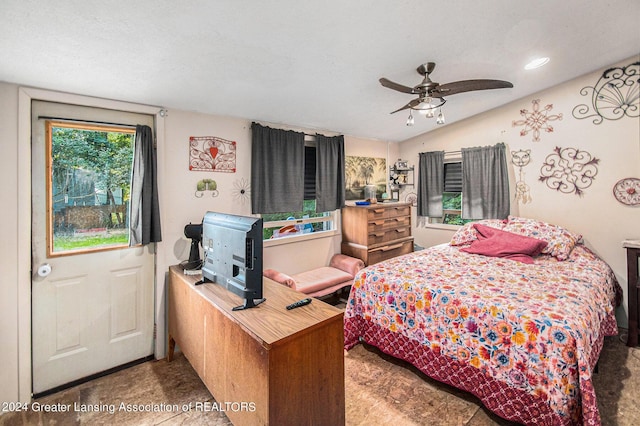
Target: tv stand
point(288, 363)
point(248, 303)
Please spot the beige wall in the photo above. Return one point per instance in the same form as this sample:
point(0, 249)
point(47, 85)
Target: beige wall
point(603, 221)
point(181, 206)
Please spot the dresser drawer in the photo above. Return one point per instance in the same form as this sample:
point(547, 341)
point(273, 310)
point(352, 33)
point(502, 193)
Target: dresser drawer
point(395, 211)
point(384, 235)
point(376, 213)
point(380, 225)
point(374, 226)
point(398, 221)
point(390, 250)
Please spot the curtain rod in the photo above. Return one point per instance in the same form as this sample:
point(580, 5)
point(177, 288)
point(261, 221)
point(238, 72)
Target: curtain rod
point(459, 152)
point(312, 135)
point(450, 152)
point(75, 120)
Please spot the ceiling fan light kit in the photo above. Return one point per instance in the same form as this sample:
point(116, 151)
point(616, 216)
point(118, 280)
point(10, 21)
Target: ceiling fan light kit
point(428, 90)
point(410, 120)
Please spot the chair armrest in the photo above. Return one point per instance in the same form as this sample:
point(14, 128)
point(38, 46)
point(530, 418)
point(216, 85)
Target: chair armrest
point(279, 277)
point(348, 264)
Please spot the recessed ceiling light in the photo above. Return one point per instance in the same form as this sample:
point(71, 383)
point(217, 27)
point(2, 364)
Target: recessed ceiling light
point(536, 63)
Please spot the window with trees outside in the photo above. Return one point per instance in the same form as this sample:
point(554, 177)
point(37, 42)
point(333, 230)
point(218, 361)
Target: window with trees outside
point(88, 186)
point(452, 195)
point(307, 221)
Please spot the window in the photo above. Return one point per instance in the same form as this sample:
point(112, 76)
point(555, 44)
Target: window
point(452, 195)
point(307, 221)
point(88, 187)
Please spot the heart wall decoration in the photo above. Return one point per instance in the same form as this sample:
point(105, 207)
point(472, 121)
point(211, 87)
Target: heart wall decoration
point(212, 154)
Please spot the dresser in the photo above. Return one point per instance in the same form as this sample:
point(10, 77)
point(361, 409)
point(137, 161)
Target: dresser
point(270, 365)
point(633, 286)
point(376, 232)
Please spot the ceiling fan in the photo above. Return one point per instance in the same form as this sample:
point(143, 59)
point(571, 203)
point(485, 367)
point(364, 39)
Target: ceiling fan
point(428, 90)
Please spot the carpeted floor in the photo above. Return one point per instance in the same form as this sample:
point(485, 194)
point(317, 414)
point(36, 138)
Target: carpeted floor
point(379, 391)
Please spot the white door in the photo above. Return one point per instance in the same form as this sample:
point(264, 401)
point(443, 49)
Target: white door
point(94, 310)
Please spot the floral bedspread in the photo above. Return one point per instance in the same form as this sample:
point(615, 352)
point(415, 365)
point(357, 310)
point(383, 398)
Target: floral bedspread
point(537, 328)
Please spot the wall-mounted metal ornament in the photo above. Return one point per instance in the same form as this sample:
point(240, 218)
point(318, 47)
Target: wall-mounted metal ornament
point(520, 159)
point(206, 185)
point(616, 94)
point(411, 198)
point(569, 170)
point(241, 190)
point(212, 154)
point(627, 191)
point(536, 120)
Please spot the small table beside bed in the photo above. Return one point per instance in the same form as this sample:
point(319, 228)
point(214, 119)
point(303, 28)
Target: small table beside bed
point(513, 311)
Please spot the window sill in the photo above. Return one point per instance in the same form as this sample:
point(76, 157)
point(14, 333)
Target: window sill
point(299, 238)
point(442, 226)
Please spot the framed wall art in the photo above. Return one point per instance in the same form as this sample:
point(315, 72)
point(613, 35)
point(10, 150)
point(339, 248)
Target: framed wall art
point(362, 171)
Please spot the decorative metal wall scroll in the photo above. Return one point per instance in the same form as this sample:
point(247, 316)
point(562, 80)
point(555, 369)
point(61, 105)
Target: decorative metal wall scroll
point(411, 198)
point(206, 185)
point(520, 159)
point(241, 190)
point(569, 170)
point(616, 94)
point(627, 191)
point(536, 120)
point(212, 154)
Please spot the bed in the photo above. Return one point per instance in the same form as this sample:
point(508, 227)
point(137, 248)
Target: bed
point(520, 328)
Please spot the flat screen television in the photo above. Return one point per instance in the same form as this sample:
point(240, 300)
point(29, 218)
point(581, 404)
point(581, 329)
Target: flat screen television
point(232, 248)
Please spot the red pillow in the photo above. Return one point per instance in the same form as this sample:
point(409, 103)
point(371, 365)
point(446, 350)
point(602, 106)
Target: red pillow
point(497, 243)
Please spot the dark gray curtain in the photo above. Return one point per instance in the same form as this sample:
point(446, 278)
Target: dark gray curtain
point(330, 184)
point(430, 183)
point(277, 170)
point(485, 183)
point(144, 214)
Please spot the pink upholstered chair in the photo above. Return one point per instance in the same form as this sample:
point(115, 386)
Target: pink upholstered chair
point(321, 281)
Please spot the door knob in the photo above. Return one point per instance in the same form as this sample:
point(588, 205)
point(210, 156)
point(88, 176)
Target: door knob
point(44, 270)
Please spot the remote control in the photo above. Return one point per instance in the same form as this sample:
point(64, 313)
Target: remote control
point(299, 303)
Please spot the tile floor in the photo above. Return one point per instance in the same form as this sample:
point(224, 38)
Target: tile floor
point(379, 391)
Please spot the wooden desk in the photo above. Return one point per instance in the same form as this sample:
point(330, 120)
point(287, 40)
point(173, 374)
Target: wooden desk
point(288, 364)
point(633, 287)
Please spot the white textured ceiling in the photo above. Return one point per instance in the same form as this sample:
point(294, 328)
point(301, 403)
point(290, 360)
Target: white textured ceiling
point(308, 64)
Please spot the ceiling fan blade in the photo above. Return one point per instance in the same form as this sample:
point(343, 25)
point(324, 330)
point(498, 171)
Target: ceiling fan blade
point(395, 86)
point(414, 103)
point(456, 87)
